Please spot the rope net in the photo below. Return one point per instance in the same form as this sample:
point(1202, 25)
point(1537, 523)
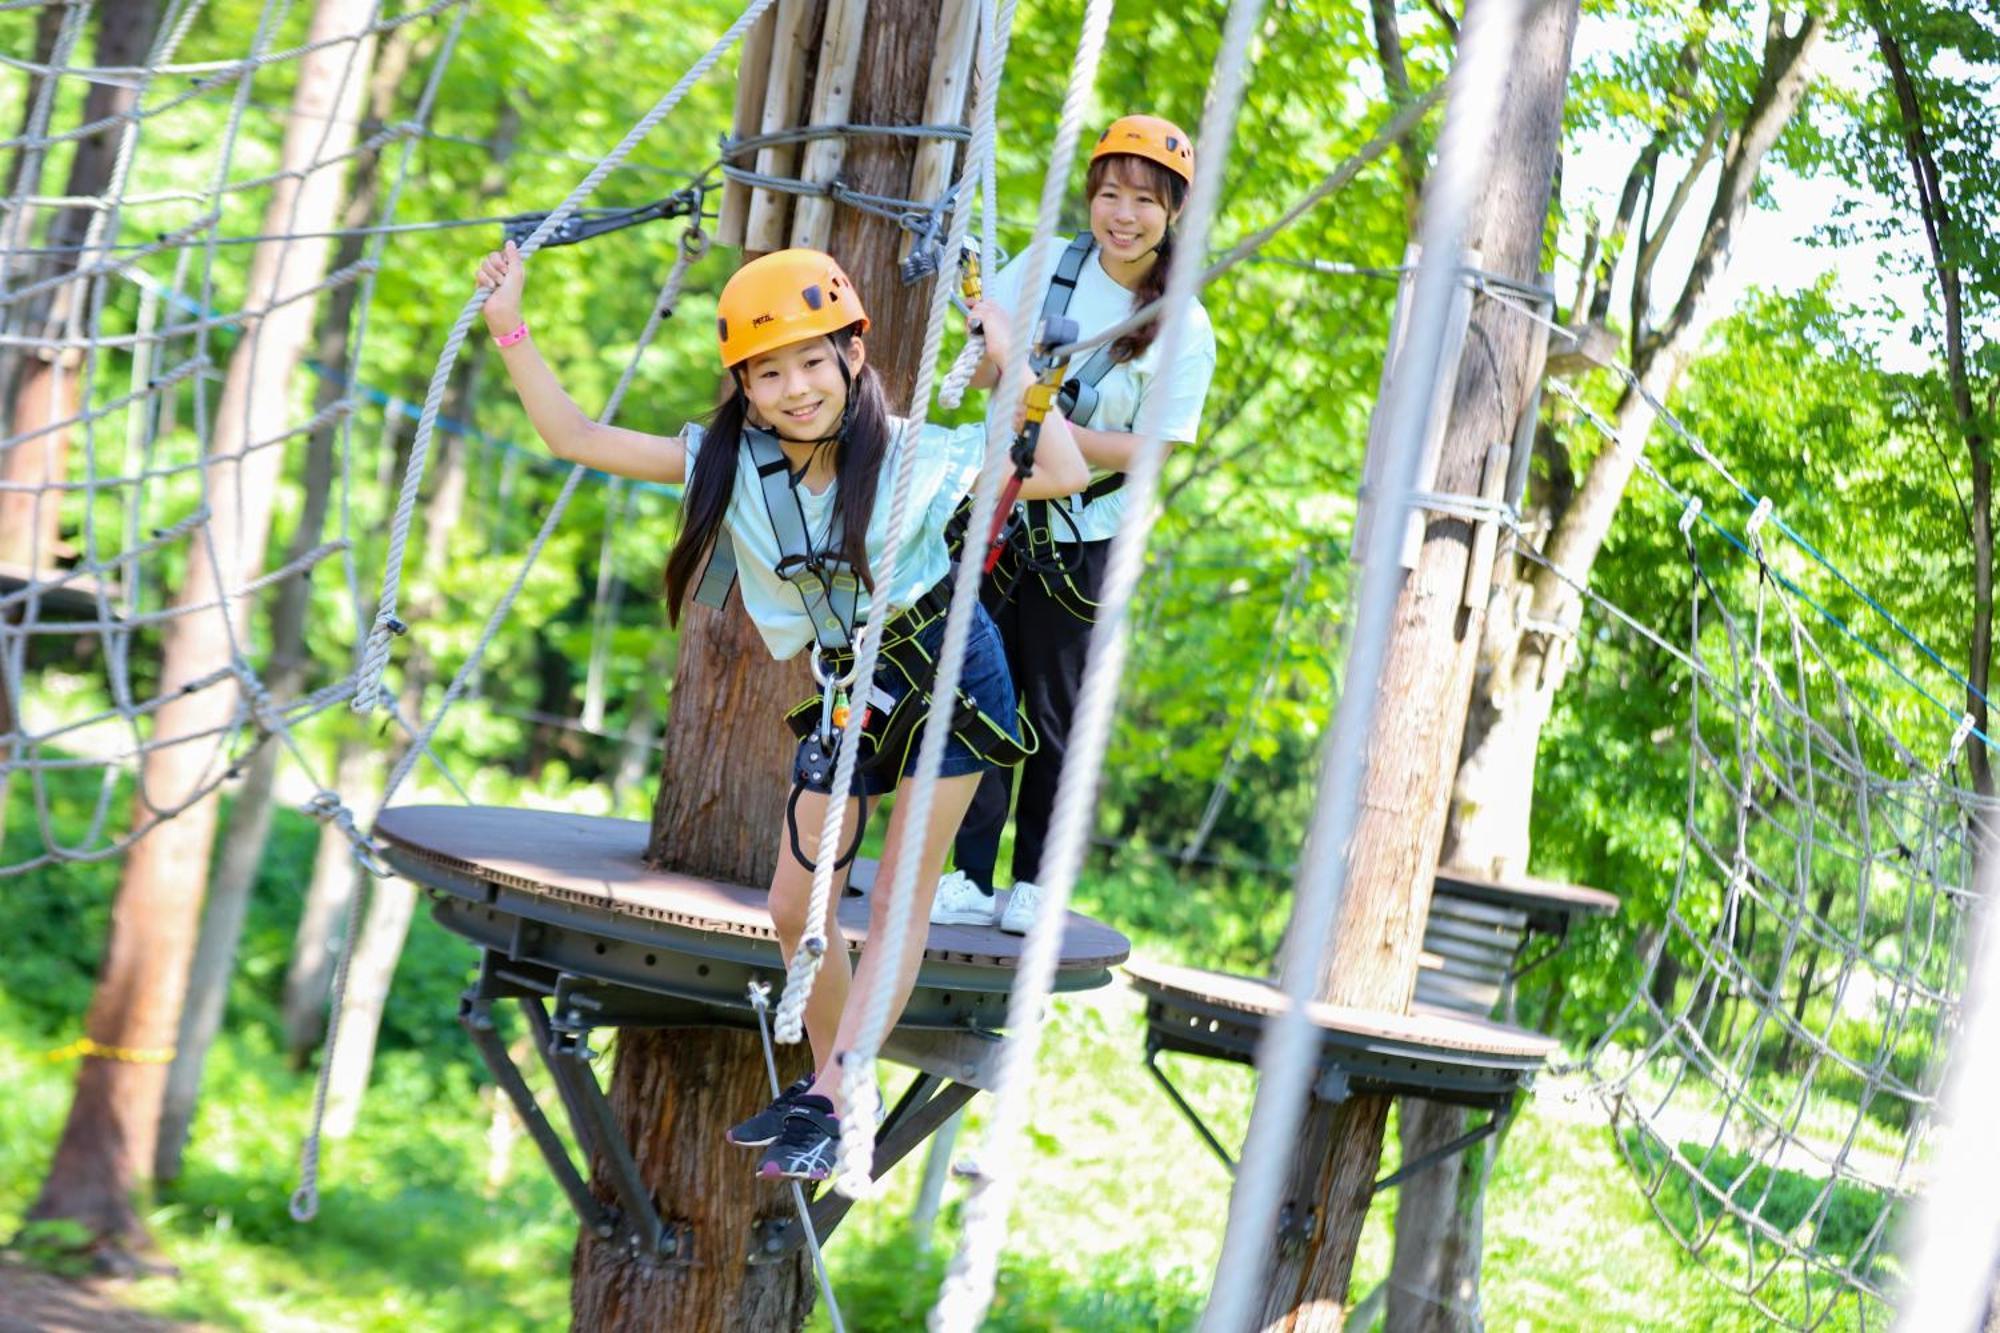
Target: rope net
point(1771, 1081)
point(131, 331)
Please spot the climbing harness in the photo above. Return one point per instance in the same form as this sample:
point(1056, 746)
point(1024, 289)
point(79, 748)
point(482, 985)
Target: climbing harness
point(1024, 538)
point(829, 590)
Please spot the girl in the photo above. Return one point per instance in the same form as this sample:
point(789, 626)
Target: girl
point(795, 470)
point(1140, 172)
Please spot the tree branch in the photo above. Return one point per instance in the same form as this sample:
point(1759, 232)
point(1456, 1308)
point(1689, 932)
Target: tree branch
point(1443, 16)
point(1396, 76)
point(1780, 85)
point(1649, 256)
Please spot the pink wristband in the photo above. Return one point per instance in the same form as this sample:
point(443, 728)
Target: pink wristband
point(509, 339)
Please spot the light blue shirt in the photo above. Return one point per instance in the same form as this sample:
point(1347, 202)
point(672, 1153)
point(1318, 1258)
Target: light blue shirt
point(947, 464)
point(1097, 303)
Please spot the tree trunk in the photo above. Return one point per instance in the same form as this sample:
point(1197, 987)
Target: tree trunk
point(1425, 679)
point(107, 1145)
point(1440, 1225)
point(250, 818)
point(387, 925)
point(369, 975)
point(45, 386)
point(1940, 228)
point(222, 916)
point(720, 813)
point(336, 878)
point(1526, 661)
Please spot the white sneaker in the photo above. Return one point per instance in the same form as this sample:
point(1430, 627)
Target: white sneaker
point(1023, 905)
point(960, 903)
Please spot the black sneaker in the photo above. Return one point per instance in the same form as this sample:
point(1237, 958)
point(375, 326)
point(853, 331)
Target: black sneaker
point(807, 1147)
point(763, 1128)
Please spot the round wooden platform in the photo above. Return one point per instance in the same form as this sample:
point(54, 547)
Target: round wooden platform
point(568, 894)
point(1429, 1052)
point(1550, 905)
point(58, 593)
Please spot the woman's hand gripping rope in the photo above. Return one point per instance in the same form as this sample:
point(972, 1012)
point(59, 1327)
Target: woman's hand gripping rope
point(1028, 418)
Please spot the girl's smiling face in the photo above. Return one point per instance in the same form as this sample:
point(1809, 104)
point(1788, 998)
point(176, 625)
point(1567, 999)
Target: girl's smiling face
point(798, 390)
point(1129, 212)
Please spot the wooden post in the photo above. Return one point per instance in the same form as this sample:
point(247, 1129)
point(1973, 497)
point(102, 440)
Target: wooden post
point(833, 93)
point(1425, 681)
point(720, 814)
point(751, 67)
point(958, 26)
point(784, 91)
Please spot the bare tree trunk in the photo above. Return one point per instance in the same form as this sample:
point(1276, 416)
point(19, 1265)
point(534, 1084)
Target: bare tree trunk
point(107, 1145)
point(1396, 77)
point(1523, 671)
point(1425, 679)
point(222, 917)
point(249, 827)
point(390, 909)
point(1940, 232)
point(720, 813)
point(44, 386)
point(336, 878)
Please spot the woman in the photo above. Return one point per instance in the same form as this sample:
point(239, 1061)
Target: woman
point(1140, 171)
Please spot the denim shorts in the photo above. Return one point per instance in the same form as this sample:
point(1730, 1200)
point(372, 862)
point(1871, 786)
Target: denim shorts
point(986, 681)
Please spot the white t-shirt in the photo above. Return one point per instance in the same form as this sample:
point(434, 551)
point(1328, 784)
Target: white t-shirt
point(947, 465)
point(1097, 303)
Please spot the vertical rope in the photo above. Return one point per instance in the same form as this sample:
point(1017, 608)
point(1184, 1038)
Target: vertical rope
point(859, 1093)
point(968, 1286)
point(803, 967)
point(1288, 1053)
point(375, 657)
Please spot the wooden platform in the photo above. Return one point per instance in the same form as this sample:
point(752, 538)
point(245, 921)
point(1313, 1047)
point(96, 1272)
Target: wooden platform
point(1430, 1052)
point(568, 894)
point(1549, 905)
point(58, 592)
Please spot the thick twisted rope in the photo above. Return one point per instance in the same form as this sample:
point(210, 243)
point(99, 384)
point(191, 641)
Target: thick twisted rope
point(694, 244)
point(802, 969)
point(959, 378)
point(1288, 1053)
point(374, 655)
point(861, 1097)
point(968, 1286)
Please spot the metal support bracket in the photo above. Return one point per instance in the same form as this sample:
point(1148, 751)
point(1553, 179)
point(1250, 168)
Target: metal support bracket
point(1440, 1153)
point(1192, 1116)
point(637, 1216)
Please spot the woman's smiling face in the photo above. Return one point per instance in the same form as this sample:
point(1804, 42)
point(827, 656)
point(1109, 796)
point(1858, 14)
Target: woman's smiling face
point(1129, 212)
point(798, 390)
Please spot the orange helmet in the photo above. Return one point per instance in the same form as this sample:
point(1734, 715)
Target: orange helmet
point(1152, 138)
point(784, 297)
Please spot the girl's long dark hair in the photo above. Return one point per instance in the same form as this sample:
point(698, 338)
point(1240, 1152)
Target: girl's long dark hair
point(857, 466)
point(1142, 173)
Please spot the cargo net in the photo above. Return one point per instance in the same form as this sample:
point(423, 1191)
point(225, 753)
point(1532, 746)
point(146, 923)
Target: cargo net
point(163, 265)
point(1771, 1081)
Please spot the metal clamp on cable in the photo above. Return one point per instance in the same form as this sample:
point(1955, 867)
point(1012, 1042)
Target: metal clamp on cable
point(1471, 508)
point(588, 224)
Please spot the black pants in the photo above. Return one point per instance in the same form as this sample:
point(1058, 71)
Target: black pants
point(1046, 647)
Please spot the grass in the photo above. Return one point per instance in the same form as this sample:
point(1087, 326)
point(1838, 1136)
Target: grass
point(1117, 1226)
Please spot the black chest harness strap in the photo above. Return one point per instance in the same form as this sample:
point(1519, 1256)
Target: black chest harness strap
point(829, 590)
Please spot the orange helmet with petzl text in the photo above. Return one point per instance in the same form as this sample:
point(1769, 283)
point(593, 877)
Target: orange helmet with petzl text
point(784, 297)
point(1152, 138)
